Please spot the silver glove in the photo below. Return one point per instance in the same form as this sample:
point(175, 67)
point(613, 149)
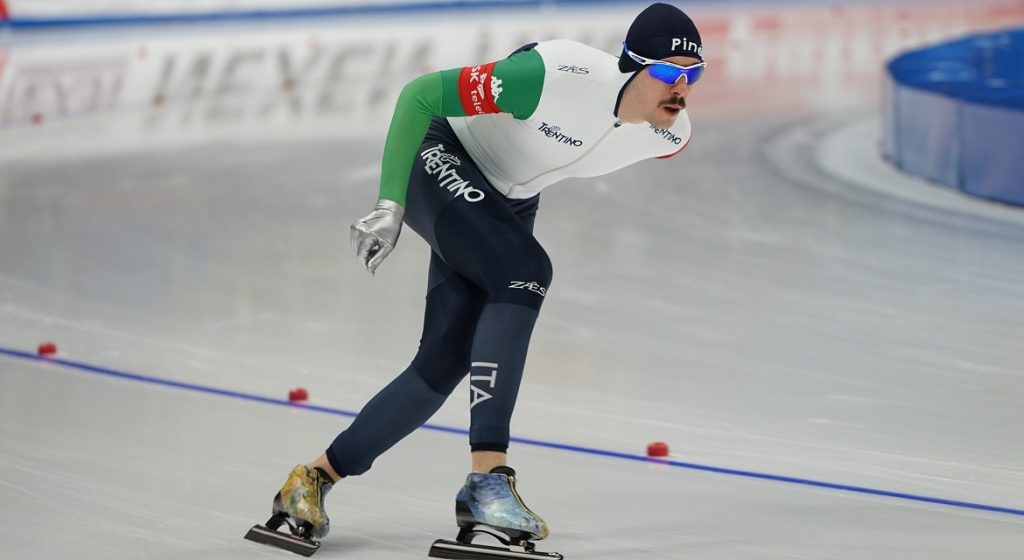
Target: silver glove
point(375, 234)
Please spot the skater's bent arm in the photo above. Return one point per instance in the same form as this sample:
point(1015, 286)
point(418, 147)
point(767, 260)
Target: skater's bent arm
point(512, 85)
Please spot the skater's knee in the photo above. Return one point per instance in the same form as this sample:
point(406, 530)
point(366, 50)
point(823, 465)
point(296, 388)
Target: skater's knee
point(442, 368)
point(442, 360)
point(535, 264)
point(523, 276)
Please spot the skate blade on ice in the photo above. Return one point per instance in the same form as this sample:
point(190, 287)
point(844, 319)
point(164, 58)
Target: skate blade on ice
point(271, 537)
point(465, 551)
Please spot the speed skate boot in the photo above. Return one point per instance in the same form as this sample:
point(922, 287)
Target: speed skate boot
point(488, 504)
point(300, 505)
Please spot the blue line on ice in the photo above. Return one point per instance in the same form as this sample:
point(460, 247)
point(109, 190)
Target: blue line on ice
point(522, 441)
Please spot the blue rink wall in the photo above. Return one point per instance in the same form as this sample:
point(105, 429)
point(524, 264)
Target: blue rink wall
point(954, 114)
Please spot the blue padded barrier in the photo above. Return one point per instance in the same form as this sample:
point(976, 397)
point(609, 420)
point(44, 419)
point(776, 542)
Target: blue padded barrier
point(954, 114)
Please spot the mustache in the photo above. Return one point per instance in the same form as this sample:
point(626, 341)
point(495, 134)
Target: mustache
point(675, 100)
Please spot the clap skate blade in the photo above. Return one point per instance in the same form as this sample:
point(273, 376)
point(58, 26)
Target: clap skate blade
point(463, 548)
point(298, 541)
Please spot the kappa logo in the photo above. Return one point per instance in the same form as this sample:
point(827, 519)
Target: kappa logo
point(495, 88)
point(667, 135)
point(438, 162)
point(555, 132)
point(531, 286)
point(479, 394)
point(573, 69)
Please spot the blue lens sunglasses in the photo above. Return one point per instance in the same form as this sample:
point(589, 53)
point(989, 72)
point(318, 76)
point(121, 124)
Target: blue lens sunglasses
point(668, 72)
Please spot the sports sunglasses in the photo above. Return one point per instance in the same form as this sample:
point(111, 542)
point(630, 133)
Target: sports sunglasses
point(666, 71)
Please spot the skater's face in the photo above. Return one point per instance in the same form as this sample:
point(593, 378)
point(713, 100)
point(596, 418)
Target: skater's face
point(648, 98)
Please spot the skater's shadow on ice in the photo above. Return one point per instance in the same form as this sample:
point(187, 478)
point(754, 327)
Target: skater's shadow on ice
point(334, 547)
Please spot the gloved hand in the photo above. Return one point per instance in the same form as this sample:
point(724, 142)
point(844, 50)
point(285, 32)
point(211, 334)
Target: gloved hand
point(375, 234)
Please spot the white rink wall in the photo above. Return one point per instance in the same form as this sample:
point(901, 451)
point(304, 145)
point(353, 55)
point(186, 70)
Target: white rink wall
point(340, 76)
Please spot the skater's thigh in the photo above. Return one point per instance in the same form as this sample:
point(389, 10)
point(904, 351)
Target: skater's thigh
point(478, 232)
point(442, 175)
point(489, 246)
point(452, 206)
